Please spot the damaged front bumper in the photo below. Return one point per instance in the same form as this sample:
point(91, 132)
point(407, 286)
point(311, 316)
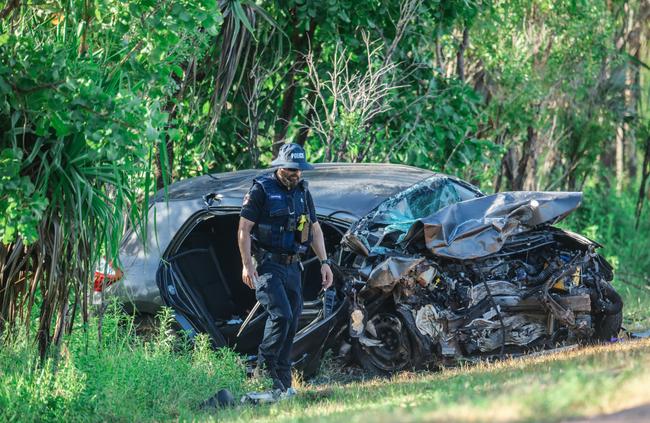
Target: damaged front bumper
point(480, 278)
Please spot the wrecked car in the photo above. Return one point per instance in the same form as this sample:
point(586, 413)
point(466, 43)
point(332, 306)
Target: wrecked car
point(428, 269)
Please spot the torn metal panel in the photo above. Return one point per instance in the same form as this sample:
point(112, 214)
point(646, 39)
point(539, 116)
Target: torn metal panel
point(519, 330)
point(480, 227)
point(386, 274)
point(429, 321)
point(425, 277)
point(479, 292)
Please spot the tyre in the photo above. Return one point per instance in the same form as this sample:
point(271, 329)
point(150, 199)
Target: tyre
point(395, 353)
point(608, 326)
point(609, 314)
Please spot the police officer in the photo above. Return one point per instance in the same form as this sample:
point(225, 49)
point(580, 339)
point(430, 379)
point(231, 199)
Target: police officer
point(278, 214)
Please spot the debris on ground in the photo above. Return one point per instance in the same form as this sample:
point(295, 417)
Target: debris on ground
point(223, 398)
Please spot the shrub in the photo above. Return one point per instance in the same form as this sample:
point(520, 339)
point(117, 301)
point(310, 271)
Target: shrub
point(119, 378)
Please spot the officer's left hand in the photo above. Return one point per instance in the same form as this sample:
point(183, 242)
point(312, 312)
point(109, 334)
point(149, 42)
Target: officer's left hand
point(327, 275)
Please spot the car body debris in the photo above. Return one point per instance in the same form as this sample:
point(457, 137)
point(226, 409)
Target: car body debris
point(441, 280)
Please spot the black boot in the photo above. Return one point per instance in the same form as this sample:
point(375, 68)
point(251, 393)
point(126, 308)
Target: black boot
point(285, 377)
point(262, 371)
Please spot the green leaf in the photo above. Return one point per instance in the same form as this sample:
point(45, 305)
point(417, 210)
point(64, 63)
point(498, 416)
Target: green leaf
point(151, 133)
point(240, 14)
point(184, 16)
point(178, 71)
point(62, 128)
point(212, 30)
point(4, 87)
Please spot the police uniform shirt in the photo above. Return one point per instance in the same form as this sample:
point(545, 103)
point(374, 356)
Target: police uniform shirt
point(253, 205)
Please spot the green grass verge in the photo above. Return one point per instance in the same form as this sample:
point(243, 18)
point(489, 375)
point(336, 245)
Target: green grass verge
point(120, 378)
point(581, 382)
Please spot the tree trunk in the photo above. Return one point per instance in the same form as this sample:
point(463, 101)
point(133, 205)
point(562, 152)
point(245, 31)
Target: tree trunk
point(83, 42)
point(11, 6)
point(166, 152)
point(439, 54)
point(620, 151)
point(507, 170)
point(526, 162)
point(300, 41)
point(303, 132)
point(460, 55)
point(168, 143)
point(645, 171)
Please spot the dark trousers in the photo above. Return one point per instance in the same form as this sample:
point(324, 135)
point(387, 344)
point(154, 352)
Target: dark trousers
point(281, 296)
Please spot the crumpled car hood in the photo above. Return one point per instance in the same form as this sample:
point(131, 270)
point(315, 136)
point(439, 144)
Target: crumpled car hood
point(474, 228)
point(479, 227)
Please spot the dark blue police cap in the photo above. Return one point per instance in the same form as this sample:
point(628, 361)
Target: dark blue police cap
point(292, 156)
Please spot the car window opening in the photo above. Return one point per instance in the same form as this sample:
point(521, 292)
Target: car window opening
point(389, 223)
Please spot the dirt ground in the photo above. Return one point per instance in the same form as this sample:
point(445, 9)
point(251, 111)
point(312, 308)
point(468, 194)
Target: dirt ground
point(631, 415)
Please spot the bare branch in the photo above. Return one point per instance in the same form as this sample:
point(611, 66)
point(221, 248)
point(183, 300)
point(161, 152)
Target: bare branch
point(360, 95)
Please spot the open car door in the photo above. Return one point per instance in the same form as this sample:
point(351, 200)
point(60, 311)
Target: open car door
point(189, 308)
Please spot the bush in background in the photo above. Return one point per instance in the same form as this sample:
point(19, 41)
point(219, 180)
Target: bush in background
point(118, 378)
point(609, 218)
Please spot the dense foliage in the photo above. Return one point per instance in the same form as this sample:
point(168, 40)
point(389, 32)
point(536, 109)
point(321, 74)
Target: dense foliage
point(101, 103)
point(84, 93)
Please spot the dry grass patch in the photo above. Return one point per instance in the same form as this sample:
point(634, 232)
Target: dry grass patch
point(581, 382)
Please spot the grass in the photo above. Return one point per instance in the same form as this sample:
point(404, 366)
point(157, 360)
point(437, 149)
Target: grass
point(122, 378)
point(119, 378)
point(583, 382)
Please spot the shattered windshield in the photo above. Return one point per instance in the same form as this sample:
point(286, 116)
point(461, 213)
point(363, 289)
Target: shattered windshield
point(396, 215)
point(420, 200)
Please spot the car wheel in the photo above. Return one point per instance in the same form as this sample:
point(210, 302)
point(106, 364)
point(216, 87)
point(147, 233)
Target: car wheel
point(608, 326)
point(395, 352)
point(609, 316)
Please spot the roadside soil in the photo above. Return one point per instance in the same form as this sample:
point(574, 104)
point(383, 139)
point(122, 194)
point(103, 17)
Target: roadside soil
point(631, 415)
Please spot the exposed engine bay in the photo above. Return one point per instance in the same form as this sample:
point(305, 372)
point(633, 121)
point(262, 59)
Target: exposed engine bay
point(478, 279)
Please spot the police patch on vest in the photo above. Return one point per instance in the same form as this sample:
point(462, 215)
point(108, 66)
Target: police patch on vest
point(275, 197)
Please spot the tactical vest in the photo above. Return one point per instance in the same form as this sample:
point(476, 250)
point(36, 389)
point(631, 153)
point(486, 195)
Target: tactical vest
point(284, 226)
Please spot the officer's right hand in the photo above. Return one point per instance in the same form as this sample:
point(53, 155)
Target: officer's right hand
point(248, 275)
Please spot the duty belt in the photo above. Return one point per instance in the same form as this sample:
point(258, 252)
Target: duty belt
point(282, 258)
